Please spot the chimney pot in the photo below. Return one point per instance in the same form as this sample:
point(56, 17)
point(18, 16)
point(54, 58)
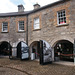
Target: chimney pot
point(20, 8)
point(36, 6)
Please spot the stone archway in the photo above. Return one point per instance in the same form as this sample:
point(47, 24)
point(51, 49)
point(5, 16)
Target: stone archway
point(41, 50)
point(63, 50)
point(34, 50)
point(54, 40)
point(5, 48)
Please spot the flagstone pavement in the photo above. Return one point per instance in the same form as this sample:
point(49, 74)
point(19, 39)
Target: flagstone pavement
point(28, 67)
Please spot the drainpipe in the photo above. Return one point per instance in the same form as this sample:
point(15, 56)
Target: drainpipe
point(27, 30)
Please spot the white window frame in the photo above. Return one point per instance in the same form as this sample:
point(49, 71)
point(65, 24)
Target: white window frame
point(3, 27)
point(37, 24)
point(61, 17)
point(19, 26)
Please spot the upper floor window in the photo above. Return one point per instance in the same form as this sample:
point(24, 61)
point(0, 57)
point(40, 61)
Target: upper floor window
point(36, 23)
point(4, 26)
point(61, 16)
point(21, 26)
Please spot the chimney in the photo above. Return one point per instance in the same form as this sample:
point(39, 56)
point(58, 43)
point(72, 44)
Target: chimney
point(36, 6)
point(20, 8)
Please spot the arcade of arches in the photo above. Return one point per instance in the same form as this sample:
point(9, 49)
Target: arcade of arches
point(63, 50)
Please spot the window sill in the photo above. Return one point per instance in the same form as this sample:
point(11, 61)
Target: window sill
point(62, 25)
point(20, 31)
point(36, 29)
point(4, 32)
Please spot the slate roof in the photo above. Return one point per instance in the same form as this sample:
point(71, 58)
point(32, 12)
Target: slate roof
point(13, 14)
point(29, 12)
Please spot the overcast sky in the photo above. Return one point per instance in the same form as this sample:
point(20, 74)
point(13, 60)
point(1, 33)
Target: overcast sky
point(11, 5)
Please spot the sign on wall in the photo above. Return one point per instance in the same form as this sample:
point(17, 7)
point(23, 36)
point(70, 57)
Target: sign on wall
point(45, 52)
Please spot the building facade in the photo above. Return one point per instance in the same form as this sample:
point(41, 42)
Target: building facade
point(53, 23)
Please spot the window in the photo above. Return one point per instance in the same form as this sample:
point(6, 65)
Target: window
point(4, 27)
point(61, 17)
point(21, 26)
point(36, 23)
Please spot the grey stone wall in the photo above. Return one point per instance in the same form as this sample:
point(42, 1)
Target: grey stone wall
point(12, 35)
point(50, 31)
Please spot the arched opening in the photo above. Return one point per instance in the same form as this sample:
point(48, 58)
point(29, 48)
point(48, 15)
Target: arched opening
point(5, 48)
point(35, 50)
point(63, 50)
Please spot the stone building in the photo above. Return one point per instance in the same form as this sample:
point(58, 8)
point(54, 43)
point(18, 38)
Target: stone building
point(53, 23)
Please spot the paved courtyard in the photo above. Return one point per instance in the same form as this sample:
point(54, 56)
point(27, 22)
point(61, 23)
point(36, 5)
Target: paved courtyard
point(9, 71)
point(18, 67)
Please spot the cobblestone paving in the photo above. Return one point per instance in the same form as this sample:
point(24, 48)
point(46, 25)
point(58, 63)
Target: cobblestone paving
point(8, 71)
point(34, 68)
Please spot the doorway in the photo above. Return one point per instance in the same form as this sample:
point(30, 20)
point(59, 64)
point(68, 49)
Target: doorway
point(35, 50)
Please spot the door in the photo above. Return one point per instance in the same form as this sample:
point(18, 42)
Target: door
point(19, 50)
point(45, 52)
point(24, 51)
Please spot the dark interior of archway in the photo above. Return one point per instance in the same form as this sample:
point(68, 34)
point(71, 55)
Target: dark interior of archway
point(5, 49)
point(19, 50)
point(64, 50)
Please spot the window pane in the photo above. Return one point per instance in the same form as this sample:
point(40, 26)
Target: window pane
point(21, 25)
point(36, 26)
point(58, 13)
point(65, 19)
point(36, 23)
point(61, 17)
point(5, 26)
point(63, 14)
point(64, 11)
point(36, 20)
